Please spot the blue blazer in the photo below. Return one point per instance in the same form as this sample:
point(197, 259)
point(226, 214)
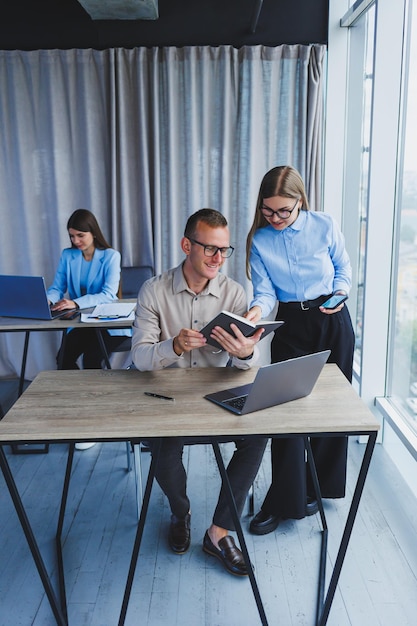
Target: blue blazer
point(103, 279)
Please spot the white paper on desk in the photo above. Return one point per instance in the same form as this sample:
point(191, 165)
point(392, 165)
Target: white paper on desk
point(115, 310)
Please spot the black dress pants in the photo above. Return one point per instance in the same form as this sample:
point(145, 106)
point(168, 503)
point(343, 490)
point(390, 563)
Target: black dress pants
point(305, 332)
point(241, 471)
point(83, 341)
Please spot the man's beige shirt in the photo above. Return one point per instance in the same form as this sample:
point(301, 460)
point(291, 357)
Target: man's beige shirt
point(166, 304)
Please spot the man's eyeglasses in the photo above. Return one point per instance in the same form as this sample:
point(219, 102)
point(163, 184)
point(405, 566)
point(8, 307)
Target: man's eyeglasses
point(284, 214)
point(213, 250)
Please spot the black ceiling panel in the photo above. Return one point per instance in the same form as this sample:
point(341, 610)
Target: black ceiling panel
point(46, 24)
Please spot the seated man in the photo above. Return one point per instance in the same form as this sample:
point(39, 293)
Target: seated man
point(171, 308)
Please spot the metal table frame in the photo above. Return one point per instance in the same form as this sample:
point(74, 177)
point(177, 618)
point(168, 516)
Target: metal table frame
point(324, 599)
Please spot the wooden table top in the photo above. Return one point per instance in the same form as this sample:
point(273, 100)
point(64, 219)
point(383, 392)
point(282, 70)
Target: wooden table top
point(102, 405)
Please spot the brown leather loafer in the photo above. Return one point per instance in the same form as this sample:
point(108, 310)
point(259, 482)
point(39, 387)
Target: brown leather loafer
point(179, 536)
point(228, 553)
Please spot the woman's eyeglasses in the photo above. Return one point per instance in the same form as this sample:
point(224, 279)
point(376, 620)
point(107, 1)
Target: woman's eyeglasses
point(213, 250)
point(284, 214)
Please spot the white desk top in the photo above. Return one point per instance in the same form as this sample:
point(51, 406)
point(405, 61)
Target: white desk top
point(111, 405)
point(20, 324)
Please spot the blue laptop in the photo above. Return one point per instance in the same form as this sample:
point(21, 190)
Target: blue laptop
point(25, 296)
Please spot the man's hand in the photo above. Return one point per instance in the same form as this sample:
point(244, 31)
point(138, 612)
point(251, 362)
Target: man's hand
point(187, 340)
point(239, 346)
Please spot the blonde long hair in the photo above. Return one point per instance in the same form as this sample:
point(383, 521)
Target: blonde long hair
point(284, 181)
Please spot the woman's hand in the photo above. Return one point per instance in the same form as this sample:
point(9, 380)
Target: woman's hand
point(331, 311)
point(337, 309)
point(64, 304)
point(254, 314)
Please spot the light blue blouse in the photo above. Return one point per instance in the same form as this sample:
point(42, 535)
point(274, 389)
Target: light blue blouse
point(302, 262)
point(102, 281)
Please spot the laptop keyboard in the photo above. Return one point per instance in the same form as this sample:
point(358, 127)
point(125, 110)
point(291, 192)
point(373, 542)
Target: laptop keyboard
point(66, 314)
point(237, 403)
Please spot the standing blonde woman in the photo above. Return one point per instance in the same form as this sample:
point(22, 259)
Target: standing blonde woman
point(297, 257)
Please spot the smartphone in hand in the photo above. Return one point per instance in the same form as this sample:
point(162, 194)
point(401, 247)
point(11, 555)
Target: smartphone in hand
point(334, 301)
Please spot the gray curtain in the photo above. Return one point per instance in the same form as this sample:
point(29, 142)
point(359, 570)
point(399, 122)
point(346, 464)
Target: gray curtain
point(143, 138)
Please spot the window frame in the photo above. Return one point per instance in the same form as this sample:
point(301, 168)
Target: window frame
point(380, 262)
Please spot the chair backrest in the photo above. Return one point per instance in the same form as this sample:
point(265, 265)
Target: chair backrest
point(132, 279)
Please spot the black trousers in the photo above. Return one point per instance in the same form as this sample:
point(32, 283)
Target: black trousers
point(241, 471)
point(305, 332)
point(84, 342)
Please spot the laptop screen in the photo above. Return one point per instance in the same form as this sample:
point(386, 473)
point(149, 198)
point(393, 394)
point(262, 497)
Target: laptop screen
point(24, 296)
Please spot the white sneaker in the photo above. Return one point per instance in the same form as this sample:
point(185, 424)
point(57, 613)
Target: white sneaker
point(85, 445)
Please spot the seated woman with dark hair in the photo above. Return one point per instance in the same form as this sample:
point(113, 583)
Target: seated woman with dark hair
point(88, 274)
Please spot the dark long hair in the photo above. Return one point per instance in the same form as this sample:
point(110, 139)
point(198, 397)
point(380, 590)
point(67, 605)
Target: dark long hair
point(84, 221)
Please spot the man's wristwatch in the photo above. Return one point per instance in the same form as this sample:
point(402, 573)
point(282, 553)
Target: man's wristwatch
point(246, 358)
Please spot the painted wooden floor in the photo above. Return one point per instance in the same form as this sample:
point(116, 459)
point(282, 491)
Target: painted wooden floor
point(378, 584)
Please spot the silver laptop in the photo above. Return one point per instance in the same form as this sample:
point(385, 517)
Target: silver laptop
point(25, 296)
point(274, 384)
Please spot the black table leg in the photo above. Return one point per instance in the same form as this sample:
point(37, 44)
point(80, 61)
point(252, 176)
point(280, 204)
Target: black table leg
point(26, 448)
point(62, 350)
point(360, 483)
point(324, 535)
point(23, 366)
point(239, 531)
point(58, 537)
point(103, 348)
point(139, 531)
point(30, 538)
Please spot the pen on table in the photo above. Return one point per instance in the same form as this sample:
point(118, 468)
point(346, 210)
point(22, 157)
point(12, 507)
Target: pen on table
point(157, 395)
point(105, 317)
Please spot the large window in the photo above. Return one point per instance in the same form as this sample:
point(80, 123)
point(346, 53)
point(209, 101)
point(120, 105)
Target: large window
point(358, 140)
point(367, 82)
point(404, 344)
point(375, 44)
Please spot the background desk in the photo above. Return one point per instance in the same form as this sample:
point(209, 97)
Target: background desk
point(16, 325)
point(110, 405)
point(27, 326)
